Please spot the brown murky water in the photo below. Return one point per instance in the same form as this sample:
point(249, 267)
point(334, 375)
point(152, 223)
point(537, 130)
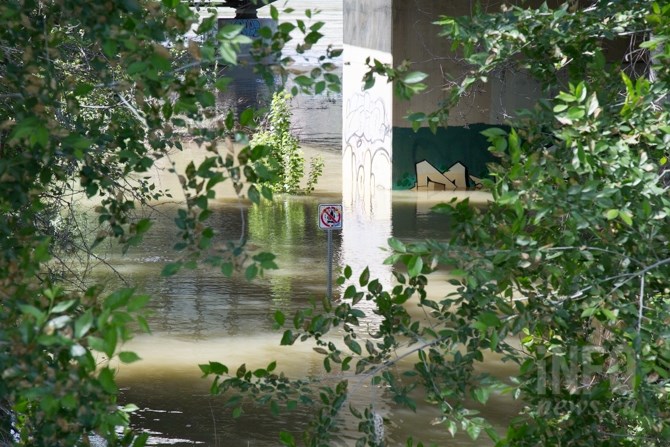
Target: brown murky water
point(198, 316)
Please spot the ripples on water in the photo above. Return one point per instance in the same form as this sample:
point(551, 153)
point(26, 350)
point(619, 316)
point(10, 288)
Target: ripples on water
point(199, 315)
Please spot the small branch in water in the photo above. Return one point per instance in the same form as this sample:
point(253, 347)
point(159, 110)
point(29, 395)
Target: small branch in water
point(216, 436)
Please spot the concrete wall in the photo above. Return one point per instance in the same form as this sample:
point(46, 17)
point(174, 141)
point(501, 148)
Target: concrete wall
point(367, 24)
point(456, 157)
point(415, 38)
point(367, 128)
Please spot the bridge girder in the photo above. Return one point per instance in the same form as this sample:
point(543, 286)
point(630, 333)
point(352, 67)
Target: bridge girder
point(244, 9)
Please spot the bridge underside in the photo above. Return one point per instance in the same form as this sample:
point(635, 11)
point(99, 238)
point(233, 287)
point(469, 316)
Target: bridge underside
point(244, 9)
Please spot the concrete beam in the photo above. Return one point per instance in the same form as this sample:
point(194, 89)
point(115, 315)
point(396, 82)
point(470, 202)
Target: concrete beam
point(244, 9)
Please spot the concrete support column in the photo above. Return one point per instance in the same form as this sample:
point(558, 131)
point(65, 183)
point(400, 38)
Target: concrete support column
point(366, 137)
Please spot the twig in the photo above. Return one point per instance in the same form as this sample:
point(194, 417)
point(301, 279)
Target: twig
point(133, 110)
point(641, 306)
point(216, 436)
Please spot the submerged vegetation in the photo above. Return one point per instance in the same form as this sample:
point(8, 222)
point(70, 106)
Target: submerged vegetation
point(92, 96)
point(286, 161)
point(564, 274)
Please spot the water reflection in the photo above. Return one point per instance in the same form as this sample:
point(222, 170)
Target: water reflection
point(201, 303)
point(200, 315)
point(288, 227)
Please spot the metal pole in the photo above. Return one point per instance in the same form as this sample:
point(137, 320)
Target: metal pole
point(330, 264)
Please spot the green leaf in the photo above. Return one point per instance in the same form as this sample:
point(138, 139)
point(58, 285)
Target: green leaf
point(137, 302)
point(489, 319)
point(254, 195)
point(246, 117)
point(214, 368)
point(303, 81)
point(128, 357)
point(222, 84)
point(83, 324)
point(227, 269)
point(287, 439)
point(365, 277)
point(143, 225)
point(136, 67)
point(274, 408)
point(228, 53)
point(83, 89)
point(612, 214)
point(626, 216)
point(142, 323)
point(576, 113)
point(287, 339)
point(415, 266)
point(473, 429)
point(171, 268)
point(251, 272)
point(141, 440)
point(493, 132)
point(397, 245)
point(63, 306)
point(611, 315)
point(481, 395)
point(588, 312)
point(229, 31)
point(106, 378)
point(414, 77)
point(118, 298)
point(353, 345)
point(110, 47)
point(96, 343)
point(566, 97)
point(206, 99)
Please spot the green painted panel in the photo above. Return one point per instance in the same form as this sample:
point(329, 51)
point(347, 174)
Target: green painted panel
point(449, 146)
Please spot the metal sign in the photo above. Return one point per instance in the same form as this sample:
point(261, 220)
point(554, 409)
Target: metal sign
point(330, 217)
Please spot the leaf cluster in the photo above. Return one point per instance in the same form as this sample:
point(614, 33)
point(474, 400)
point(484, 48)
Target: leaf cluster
point(92, 97)
point(563, 274)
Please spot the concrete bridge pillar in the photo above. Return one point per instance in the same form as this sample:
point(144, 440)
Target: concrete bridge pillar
point(381, 152)
point(376, 134)
point(367, 137)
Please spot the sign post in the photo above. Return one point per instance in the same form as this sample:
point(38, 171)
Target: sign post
point(330, 218)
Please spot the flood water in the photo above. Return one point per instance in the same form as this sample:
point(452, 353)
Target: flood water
point(199, 315)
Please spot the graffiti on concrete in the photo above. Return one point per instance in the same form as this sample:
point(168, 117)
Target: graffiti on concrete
point(456, 178)
point(251, 28)
point(367, 144)
point(452, 158)
point(366, 163)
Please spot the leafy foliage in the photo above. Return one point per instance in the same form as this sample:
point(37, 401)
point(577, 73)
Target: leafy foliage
point(285, 162)
point(91, 97)
point(564, 273)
